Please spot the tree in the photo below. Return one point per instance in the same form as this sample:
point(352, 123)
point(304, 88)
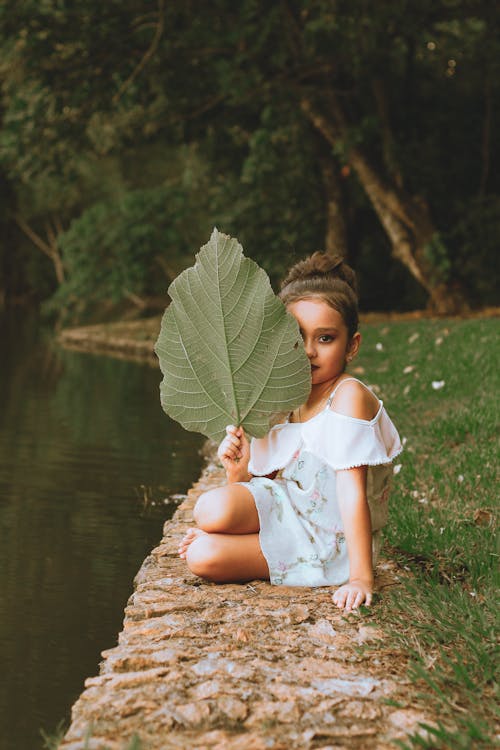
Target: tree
point(341, 64)
point(324, 110)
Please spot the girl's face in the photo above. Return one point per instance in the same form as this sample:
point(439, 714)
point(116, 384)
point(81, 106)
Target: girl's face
point(326, 338)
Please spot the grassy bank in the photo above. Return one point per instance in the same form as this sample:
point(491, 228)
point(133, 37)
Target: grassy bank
point(439, 380)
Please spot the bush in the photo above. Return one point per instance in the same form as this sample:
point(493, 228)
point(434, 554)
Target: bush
point(132, 246)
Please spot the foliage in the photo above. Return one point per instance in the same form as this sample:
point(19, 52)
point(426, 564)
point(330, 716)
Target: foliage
point(474, 242)
point(90, 87)
point(133, 244)
point(52, 741)
point(279, 186)
point(224, 344)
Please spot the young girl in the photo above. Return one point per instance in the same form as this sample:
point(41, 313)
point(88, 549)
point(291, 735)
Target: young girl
point(305, 505)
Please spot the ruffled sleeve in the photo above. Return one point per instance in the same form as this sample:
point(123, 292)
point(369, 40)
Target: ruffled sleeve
point(345, 442)
point(275, 450)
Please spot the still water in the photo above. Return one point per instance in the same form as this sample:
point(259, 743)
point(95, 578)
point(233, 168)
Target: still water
point(83, 440)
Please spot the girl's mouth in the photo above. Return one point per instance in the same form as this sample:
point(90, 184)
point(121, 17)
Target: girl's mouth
point(314, 367)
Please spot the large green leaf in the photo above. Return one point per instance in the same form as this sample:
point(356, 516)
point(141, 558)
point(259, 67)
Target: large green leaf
point(228, 350)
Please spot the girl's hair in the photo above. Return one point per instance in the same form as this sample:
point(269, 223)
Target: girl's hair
point(326, 277)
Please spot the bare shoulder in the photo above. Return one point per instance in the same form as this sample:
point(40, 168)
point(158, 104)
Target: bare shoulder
point(353, 399)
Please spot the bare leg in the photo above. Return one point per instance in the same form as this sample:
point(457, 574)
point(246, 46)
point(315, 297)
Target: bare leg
point(227, 510)
point(226, 558)
point(225, 546)
point(187, 539)
point(230, 510)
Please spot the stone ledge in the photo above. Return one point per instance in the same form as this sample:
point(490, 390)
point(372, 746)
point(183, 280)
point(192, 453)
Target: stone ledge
point(239, 666)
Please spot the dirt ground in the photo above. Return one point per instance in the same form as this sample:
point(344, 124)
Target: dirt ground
point(242, 667)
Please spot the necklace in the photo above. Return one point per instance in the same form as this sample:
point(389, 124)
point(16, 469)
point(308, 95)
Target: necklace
point(317, 411)
point(322, 401)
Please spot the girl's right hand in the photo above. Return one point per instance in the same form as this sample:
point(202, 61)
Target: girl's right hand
point(234, 454)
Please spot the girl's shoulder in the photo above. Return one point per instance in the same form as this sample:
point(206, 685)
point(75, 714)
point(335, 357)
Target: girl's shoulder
point(352, 398)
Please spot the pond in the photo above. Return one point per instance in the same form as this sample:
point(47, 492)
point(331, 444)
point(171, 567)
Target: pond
point(87, 457)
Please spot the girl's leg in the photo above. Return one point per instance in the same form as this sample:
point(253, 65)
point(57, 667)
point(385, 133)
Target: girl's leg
point(227, 558)
point(227, 510)
point(224, 510)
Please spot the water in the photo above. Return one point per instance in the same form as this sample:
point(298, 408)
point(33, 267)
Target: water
point(83, 441)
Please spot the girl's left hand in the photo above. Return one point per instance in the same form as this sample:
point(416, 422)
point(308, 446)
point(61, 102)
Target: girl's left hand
point(234, 454)
point(351, 595)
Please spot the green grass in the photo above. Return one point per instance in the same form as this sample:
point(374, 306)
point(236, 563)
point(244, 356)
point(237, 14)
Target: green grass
point(442, 520)
point(52, 741)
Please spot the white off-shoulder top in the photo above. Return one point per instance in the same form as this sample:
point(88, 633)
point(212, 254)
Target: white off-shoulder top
point(294, 487)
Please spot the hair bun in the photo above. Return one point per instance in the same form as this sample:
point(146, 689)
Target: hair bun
point(322, 265)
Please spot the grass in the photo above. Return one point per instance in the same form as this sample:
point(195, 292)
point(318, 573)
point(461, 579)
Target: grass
point(442, 522)
point(52, 741)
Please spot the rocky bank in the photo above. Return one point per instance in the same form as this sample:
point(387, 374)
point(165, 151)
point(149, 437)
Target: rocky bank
point(241, 667)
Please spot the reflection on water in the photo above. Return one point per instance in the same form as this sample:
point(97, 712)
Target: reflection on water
point(80, 438)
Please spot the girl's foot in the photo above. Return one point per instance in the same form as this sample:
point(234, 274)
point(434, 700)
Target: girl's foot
point(189, 537)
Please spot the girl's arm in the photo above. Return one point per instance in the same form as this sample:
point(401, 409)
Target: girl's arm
point(355, 513)
point(234, 453)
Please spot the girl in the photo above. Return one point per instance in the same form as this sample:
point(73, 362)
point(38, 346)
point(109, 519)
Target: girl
point(305, 505)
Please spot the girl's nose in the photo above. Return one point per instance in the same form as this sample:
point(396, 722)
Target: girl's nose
point(310, 349)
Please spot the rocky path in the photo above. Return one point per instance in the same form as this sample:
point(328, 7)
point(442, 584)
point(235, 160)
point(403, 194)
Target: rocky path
point(240, 667)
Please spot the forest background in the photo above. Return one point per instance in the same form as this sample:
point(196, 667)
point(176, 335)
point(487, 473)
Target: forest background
point(129, 129)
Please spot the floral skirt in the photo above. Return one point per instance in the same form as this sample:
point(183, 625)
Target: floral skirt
point(303, 545)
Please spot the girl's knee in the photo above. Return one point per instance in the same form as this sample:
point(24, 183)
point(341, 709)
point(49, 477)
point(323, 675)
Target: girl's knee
point(212, 511)
point(203, 557)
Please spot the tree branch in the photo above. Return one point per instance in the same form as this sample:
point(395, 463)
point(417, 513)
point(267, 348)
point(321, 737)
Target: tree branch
point(147, 55)
point(33, 236)
point(387, 194)
point(486, 140)
point(49, 248)
point(396, 212)
point(388, 143)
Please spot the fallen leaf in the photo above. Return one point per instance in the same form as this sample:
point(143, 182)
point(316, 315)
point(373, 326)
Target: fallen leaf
point(483, 517)
point(437, 384)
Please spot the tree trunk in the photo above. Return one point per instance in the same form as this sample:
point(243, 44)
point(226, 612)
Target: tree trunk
point(406, 219)
point(486, 138)
point(48, 247)
point(388, 145)
point(335, 231)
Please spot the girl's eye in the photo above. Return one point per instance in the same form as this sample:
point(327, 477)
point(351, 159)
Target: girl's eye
point(326, 338)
